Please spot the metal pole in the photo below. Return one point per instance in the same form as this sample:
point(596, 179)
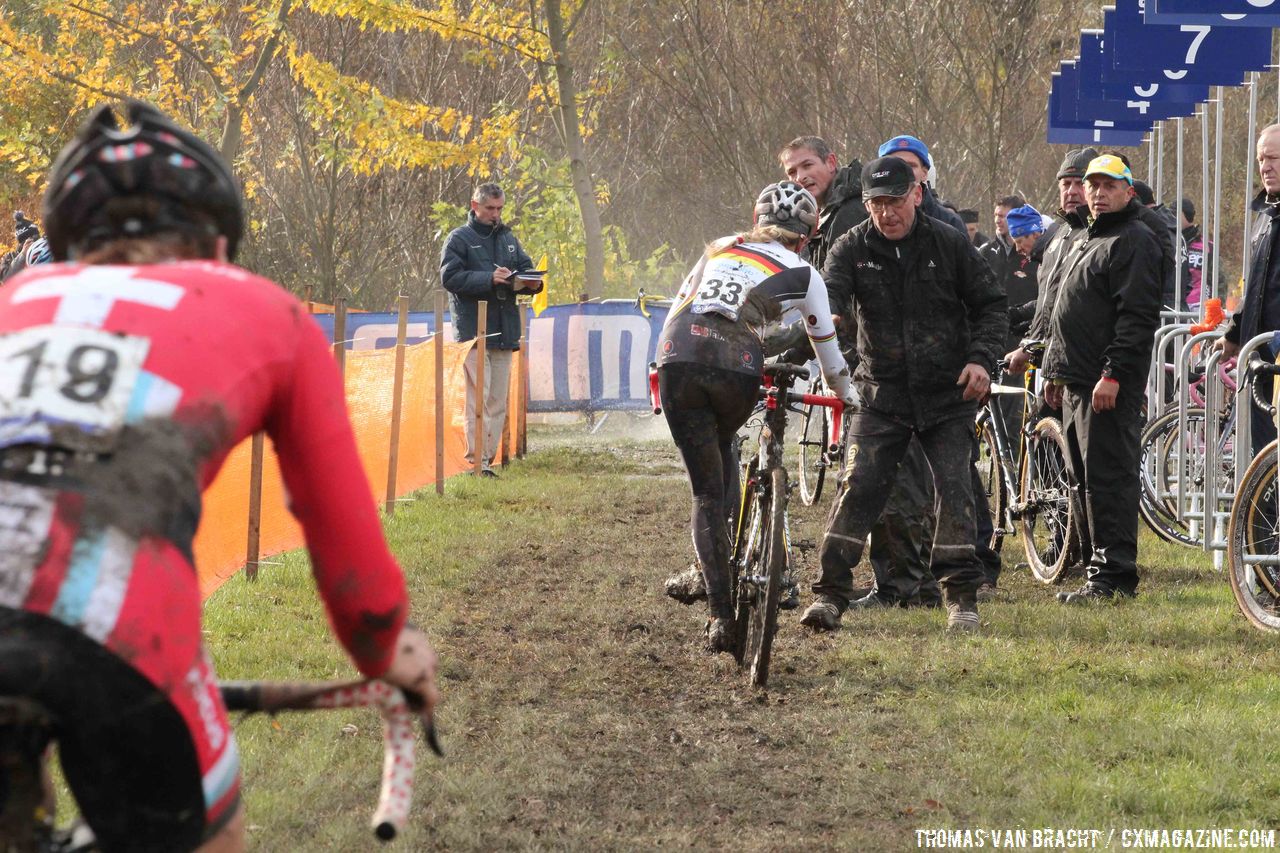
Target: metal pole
point(438, 349)
point(1159, 175)
point(1248, 180)
point(1205, 213)
point(1177, 234)
point(1215, 283)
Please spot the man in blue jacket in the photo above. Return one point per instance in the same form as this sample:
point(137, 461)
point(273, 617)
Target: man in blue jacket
point(479, 263)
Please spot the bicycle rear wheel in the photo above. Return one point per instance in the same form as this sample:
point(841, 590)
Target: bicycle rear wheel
point(760, 590)
point(992, 480)
point(1163, 450)
point(1254, 533)
point(1047, 511)
point(812, 468)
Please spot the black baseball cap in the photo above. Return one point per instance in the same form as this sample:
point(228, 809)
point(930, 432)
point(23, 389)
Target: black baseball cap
point(887, 176)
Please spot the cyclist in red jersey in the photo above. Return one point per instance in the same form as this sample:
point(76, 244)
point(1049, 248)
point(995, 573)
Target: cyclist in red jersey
point(126, 377)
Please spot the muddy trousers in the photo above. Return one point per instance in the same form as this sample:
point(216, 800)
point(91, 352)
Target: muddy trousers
point(1103, 461)
point(704, 407)
point(901, 542)
point(877, 444)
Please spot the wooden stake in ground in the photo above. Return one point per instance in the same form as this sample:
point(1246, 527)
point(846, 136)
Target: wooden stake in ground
point(477, 446)
point(522, 381)
point(397, 394)
point(308, 293)
point(439, 350)
point(252, 551)
point(340, 333)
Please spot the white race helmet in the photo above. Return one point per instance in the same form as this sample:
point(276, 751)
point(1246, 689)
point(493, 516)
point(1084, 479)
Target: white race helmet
point(789, 206)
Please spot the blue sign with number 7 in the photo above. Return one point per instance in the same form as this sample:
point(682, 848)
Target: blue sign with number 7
point(1185, 53)
point(1215, 13)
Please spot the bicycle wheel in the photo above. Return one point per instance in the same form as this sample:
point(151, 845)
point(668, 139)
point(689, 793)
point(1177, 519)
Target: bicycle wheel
point(1161, 472)
point(1046, 510)
point(1254, 533)
point(812, 468)
point(747, 548)
point(760, 590)
point(992, 480)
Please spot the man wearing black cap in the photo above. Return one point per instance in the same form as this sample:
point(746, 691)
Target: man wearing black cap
point(1099, 351)
point(930, 322)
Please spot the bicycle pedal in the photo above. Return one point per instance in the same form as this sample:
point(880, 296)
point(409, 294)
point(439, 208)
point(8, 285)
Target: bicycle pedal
point(803, 545)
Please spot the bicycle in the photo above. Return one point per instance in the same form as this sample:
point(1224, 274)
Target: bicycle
point(760, 557)
point(1035, 469)
point(26, 730)
point(1253, 536)
point(1171, 455)
point(815, 453)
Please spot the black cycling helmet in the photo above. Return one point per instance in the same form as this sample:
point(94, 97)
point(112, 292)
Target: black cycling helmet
point(789, 206)
point(153, 159)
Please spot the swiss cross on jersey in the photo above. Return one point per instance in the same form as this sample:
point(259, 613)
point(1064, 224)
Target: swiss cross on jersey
point(70, 383)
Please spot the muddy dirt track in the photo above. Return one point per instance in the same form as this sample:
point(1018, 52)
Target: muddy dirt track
point(584, 712)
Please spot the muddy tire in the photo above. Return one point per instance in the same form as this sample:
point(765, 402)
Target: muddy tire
point(811, 470)
point(992, 478)
point(765, 584)
point(1046, 507)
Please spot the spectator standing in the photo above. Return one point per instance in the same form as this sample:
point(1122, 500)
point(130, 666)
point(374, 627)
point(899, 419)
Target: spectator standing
point(1164, 225)
point(1101, 333)
point(915, 154)
point(25, 233)
point(1195, 252)
point(969, 217)
point(930, 320)
point(479, 262)
point(1260, 308)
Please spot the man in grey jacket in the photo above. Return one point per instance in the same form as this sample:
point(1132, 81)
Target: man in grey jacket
point(479, 263)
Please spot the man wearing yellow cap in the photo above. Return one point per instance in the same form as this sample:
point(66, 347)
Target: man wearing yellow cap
point(1100, 338)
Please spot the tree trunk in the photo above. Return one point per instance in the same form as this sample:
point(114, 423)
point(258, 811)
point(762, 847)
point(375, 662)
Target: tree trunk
point(583, 186)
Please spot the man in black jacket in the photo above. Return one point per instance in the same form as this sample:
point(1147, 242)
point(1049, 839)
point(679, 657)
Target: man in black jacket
point(1100, 337)
point(903, 537)
point(930, 320)
point(479, 263)
point(1260, 308)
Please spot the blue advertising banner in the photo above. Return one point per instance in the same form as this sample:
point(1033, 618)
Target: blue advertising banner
point(585, 357)
point(1185, 53)
point(1216, 13)
point(1099, 80)
point(1062, 130)
point(1090, 104)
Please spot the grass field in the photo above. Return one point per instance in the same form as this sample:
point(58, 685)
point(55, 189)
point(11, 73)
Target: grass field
point(582, 713)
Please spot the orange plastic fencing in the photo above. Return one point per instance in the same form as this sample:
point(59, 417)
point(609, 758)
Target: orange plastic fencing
point(220, 545)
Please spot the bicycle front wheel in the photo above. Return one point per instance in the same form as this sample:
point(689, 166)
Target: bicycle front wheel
point(1046, 510)
point(1255, 533)
point(812, 468)
point(765, 589)
point(992, 479)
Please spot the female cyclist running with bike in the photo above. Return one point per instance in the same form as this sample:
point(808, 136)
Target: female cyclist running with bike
point(710, 364)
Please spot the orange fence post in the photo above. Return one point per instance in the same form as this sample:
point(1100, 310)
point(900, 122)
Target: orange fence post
point(439, 349)
point(482, 330)
point(397, 395)
point(255, 507)
point(340, 333)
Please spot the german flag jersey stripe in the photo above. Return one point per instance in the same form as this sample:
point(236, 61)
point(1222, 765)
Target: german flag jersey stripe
point(759, 260)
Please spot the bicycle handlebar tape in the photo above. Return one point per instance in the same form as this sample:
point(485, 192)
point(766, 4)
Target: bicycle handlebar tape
point(654, 397)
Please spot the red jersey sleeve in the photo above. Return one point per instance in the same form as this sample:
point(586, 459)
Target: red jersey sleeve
point(360, 582)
